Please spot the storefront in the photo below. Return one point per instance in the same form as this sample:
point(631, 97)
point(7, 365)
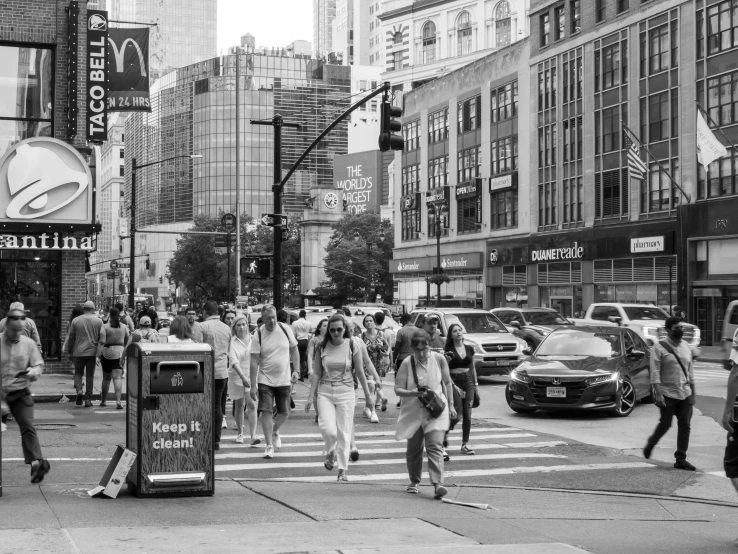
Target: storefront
point(569, 271)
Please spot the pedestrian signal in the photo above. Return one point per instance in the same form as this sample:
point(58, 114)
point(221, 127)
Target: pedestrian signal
point(256, 268)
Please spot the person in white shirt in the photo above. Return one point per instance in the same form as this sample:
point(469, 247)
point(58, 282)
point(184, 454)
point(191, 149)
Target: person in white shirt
point(272, 353)
point(301, 328)
point(239, 380)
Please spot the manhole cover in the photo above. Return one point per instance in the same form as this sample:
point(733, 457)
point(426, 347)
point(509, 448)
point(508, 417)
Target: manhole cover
point(53, 426)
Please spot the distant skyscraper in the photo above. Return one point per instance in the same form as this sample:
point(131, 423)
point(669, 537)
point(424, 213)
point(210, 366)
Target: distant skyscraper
point(324, 11)
point(186, 32)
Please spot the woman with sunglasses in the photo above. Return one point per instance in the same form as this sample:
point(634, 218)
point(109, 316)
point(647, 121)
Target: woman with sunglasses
point(460, 359)
point(336, 361)
point(415, 423)
point(376, 346)
point(320, 332)
point(239, 380)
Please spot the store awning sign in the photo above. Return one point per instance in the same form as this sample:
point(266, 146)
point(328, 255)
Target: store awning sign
point(506, 181)
point(128, 70)
point(647, 244)
point(45, 180)
point(45, 241)
point(472, 260)
point(410, 202)
point(97, 76)
point(410, 265)
point(574, 252)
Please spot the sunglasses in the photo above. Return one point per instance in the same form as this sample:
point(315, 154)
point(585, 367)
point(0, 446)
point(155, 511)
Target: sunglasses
point(146, 325)
point(17, 317)
point(339, 330)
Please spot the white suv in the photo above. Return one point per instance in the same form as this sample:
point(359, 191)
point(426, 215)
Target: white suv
point(496, 350)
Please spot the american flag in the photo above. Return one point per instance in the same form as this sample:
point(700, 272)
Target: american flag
point(637, 168)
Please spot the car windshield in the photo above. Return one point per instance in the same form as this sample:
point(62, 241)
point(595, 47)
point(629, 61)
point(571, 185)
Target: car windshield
point(645, 312)
point(476, 323)
point(545, 318)
point(580, 343)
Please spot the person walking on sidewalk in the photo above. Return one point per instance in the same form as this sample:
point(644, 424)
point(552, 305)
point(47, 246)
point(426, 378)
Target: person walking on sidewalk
point(191, 315)
point(301, 329)
point(271, 356)
point(113, 338)
point(424, 370)
point(337, 360)
point(239, 378)
point(431, 325)
point(180, 330)
point(402, 348)
point(460, 358)
point(29, 327)
point(218, 336)
point(375, 346)
point(672, 379)
point(315, 341)
point(389, 336)
point(125, 318)
point(20, 365)
point(84, 337)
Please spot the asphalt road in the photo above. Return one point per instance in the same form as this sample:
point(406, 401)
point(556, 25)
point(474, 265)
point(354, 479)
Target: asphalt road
point(550, 450)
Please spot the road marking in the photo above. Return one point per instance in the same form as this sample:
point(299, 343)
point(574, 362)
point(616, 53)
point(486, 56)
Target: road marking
point(384, 433)
point(62, 459)
point(451, 438)
point(402, 450)
point(474, 472)
point(393, 461)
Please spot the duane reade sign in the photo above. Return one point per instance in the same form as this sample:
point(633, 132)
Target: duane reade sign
point(573, 252)
point(647, 244)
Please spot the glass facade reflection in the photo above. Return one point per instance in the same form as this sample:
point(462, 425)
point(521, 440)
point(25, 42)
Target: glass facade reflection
point(194, 111)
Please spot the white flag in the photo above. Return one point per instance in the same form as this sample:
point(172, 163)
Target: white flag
point(709, 148)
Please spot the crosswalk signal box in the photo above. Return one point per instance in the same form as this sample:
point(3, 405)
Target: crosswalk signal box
point(256, 268)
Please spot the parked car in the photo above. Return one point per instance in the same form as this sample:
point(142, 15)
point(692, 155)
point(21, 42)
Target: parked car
point(531, 324)
point(496, 349)
point(647, 321)
point(599, 368)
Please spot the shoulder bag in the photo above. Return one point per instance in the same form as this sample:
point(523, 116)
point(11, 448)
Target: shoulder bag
point(430, 400)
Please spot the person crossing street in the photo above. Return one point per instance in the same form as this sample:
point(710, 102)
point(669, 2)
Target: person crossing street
point(301, 329)
point(218, 335)
point(84, 336)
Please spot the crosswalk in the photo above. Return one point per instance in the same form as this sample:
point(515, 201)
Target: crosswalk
point(499, 451)
point(704, 373)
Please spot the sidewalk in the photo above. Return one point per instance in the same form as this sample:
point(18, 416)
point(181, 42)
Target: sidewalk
point(712, 354)
point(51, 387)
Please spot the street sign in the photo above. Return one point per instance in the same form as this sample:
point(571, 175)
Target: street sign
point(255, 268)
point(124, 265)
point(114, 264)
point(228, 221)
point(113, 274)
point(268, 219)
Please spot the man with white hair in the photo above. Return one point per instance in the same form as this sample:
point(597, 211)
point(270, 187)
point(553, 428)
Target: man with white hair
point(29, 326)
point(84, 334)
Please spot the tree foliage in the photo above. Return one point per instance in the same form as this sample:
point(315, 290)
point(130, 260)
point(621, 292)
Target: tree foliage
point(349, 262)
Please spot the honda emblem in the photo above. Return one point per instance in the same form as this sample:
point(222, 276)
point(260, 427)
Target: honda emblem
point(556, 380)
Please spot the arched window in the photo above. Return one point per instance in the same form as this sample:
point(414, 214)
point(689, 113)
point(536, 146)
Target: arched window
point(428, 51)
point(463, 34)
point(397, 39)
point(502, 23)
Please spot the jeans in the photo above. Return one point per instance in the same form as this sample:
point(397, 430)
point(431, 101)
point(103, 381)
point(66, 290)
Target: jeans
point(224, 399)
point(682, 409)
point(433, 442)
point(84, 365)
point(220, 386)
point(336, 405)
point(463, 406)
point(22, 410)
point(302, 348)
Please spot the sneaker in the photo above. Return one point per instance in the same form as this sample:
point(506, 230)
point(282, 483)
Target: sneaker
point(374, 418)
point(398, 403)
point(367, 413)
point(217, 446)
point(269, 452)
point(88, 403)
point(224, 425)
point(466, 450)
point(684, 464)
point(239, 438)
point(354, 455)
point(276, 441)
point(103, 403)
point(39, 468)
point(384, 404)
point(441, 491)
point(79, 399)
point(255, 440)
point(119, 406)
point(446, 457)
point(342, 475)
point(647, 450)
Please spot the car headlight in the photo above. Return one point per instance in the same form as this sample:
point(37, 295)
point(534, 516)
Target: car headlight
point(477, 349)
point(520, 375)
point(602, 379)
point(653, 331)
point(543, 333)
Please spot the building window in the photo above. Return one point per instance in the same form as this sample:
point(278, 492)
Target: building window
point(608, 70)
point(464, 34)
point(560, 23)
point(438, 126)
point(466, 215)
point(547, 145)
point(502, 24)
point(411, 134)
point(572, 139)
point(27, 89)
point(722, 27)
point(658, 46)
point(607, 129)
point(469, 164)
point(121, 171)
point(572, 73)
point(600, 6)
point(545, 30)
point(547, 88)
point(504, 155)
point(657, 191)
point(438, 172)
point(723, 178)
point(547, 204)
point(573, 197)
point(122, 153)
point(722, 99)
point(397, 37)
point(504, 209)
point(428, 52)
point(396, 63)
point(575, 16)
point(410, 219)
point(504, 102)
point(623, 5)
point(469, 114)
point(655, 115)
point(611, 193)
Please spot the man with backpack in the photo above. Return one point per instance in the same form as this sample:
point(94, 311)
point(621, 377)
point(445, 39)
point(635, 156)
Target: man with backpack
point(672, 378)
point(272, 354)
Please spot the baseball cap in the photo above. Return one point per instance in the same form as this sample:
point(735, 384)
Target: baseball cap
point(89, 305)
point(431, 317)
point(17, 306)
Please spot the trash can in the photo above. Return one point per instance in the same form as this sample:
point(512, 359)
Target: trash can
point(170, 419)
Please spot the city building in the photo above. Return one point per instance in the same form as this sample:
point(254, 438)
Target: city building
point(324, 12)
point(363, 125)
point(193, 113)
point(185, 30)
point(45, 238)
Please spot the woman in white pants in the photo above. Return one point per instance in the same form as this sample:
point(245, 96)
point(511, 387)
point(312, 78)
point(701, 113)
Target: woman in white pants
point(239, 382)
point(336, 361)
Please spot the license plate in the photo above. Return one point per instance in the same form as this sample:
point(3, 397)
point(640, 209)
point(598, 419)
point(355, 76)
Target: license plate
point(503, 362)
point(556, 392)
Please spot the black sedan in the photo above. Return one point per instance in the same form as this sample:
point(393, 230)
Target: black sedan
point(583, 368)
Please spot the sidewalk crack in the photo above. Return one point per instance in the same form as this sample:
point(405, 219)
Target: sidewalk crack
point(278, 501)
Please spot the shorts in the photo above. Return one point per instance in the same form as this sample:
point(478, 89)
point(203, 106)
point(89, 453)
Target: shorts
point(730, 460)
point(109, 365)
point(271, 396)
point(237, 391)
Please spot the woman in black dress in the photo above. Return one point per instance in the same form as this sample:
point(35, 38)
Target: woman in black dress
point(460, 359)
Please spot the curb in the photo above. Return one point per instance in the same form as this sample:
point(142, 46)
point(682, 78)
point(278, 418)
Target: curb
point(47, 398)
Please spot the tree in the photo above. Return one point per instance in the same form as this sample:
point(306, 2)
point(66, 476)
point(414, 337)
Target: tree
point(349, 261)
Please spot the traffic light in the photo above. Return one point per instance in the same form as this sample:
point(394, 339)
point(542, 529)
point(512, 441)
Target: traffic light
point(161, 280)
point(388, 126)
point(148, 263)
point(285, 234)
point(256, 268)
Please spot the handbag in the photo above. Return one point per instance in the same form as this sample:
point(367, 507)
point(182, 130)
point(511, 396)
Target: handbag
point(477, 400)
point(430, 400)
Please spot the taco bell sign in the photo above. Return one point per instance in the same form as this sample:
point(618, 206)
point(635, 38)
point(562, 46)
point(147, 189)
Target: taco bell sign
point(97, 76)
point(361, 176)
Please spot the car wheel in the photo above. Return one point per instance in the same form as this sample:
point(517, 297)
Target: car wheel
point(627, 400)
point(516, 409)
point(651, 396)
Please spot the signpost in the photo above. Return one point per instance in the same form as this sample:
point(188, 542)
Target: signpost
point(268, 220)
point(228, 221)
point(114, 265)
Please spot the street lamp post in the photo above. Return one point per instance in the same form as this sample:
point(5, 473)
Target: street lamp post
point(357, 237)
point(437, 211)
point(134, 168)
